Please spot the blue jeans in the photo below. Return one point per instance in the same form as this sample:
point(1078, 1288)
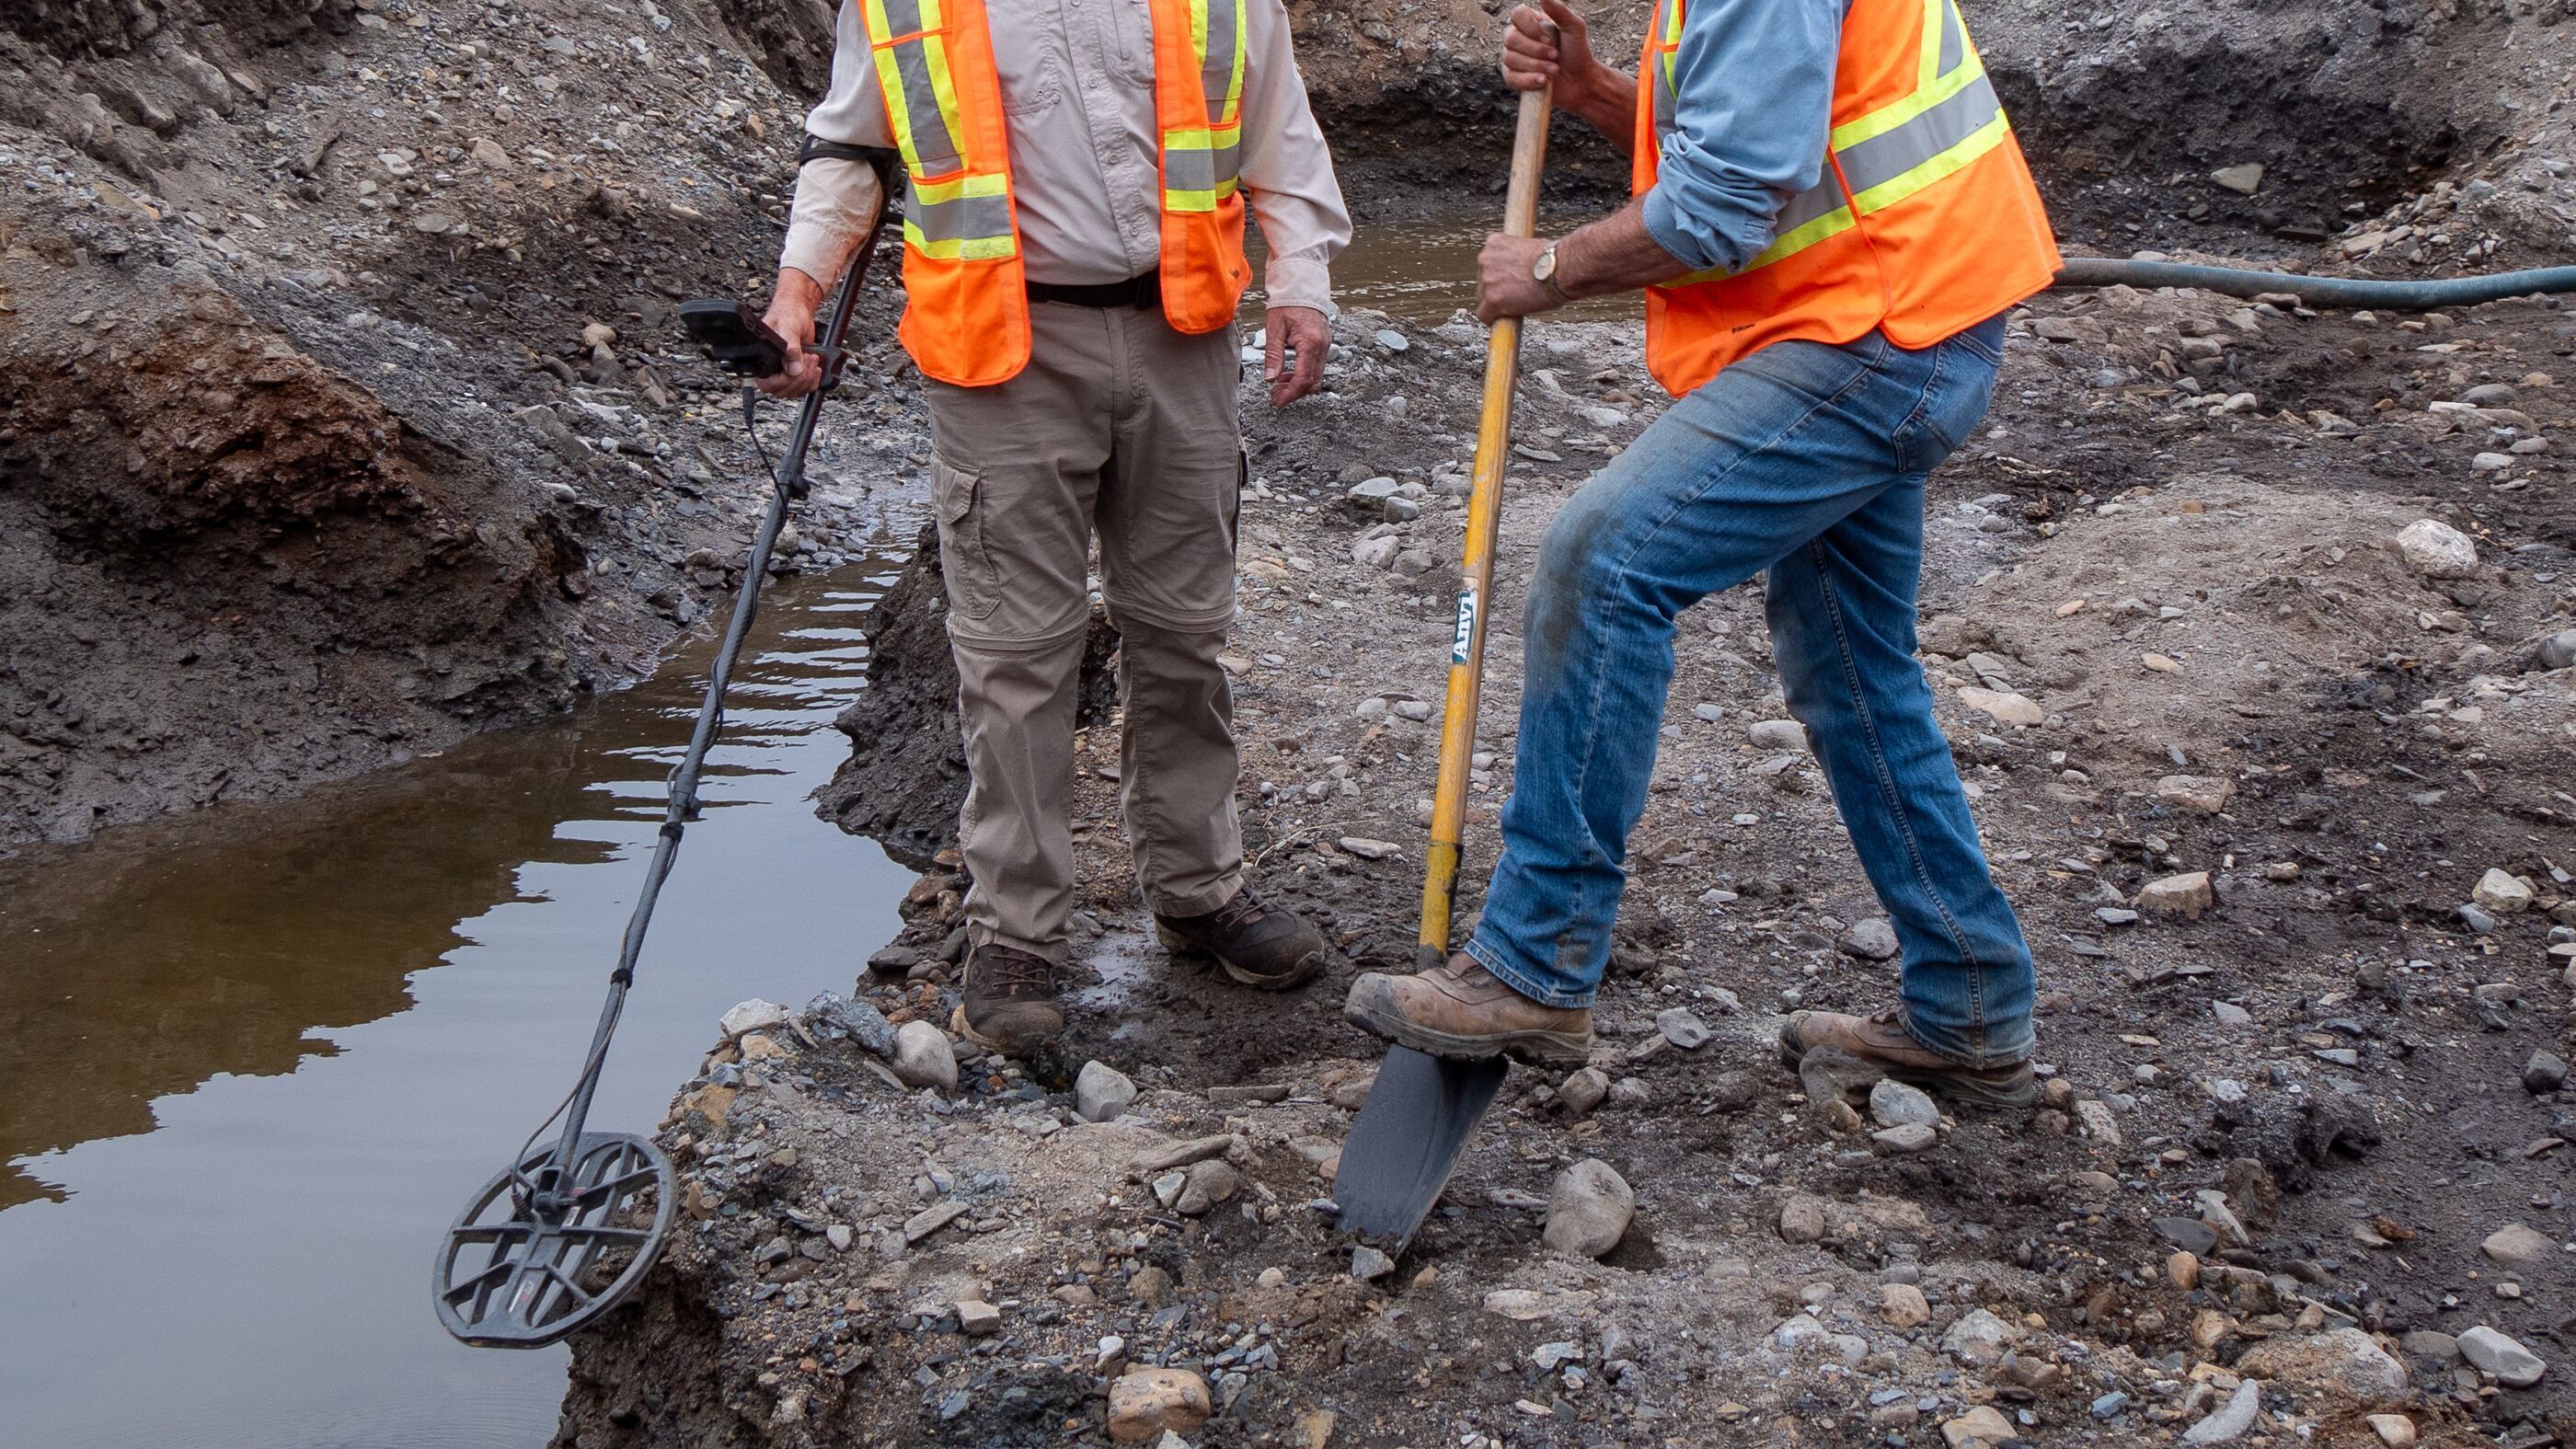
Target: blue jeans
point(1806, 461)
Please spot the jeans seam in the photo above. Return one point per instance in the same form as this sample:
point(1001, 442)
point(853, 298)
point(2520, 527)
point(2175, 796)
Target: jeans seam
point(1869, 368)
point(1897, 440)
point(1895, 805)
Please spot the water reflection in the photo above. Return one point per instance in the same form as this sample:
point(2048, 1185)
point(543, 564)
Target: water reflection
point(252, 1061)
point(1422, 271)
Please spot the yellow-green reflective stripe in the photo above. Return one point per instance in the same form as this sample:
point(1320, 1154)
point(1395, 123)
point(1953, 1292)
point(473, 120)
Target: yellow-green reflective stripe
point(1949, 163)
point(1892, 155)
point(953, 187)
point(1831, 224)
point(1888, 118)
point(912, 74)
point(1888, 168)
point(970, 249)
point(958, 213)
point(1216, 38)
point(1954, 39)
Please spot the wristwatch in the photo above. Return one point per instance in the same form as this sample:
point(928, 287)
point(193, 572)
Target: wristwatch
point(1543, 272)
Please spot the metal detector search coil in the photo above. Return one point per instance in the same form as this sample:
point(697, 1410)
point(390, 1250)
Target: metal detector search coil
point(538, 1252)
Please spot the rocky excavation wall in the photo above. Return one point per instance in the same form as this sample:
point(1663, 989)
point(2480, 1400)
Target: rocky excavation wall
point(452, 208)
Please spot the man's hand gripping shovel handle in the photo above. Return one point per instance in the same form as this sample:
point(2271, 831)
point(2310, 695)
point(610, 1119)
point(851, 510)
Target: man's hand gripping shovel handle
point(1476, 576)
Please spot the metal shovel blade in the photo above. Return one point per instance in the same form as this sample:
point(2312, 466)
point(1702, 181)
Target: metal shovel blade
point(1409, 1136)
point(537, 1255)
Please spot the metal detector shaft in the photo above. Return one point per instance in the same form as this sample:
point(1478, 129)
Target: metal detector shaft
point(1475, 585)
point(786, 486)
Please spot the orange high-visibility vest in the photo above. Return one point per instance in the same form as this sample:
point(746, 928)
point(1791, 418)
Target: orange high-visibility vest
point(1924, 223)
point(966, 318)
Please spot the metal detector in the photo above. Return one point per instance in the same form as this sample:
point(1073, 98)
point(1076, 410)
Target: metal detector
point(567, 1231)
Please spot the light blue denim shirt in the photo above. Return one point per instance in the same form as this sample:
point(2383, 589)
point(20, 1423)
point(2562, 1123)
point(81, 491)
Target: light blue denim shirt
point(1754, 85)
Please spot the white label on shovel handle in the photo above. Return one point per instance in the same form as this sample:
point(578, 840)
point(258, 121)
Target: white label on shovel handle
point(1465, 637)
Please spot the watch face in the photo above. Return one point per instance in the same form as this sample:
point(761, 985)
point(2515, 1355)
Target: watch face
point(1545, 267)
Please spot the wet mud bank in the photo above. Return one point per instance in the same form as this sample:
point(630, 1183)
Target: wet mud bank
point(2272, 768)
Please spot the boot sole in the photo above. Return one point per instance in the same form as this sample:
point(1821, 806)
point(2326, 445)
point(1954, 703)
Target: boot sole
point(1534, 1048)
point(1307, 968)
point(2011, 1092)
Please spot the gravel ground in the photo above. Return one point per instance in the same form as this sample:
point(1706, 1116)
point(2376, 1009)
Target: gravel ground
point(2244, 765)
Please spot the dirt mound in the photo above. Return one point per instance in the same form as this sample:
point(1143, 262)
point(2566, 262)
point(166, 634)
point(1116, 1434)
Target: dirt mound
point(906, 776)
point(222, 557)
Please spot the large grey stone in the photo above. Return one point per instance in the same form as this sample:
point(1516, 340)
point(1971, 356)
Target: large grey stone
point(2494, 1353)
point(2517, 1246)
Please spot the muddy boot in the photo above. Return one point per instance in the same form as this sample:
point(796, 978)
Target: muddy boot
point(1879, 1041)
point(1010, 1004)
point(1258, 946)
point(1460, 1011)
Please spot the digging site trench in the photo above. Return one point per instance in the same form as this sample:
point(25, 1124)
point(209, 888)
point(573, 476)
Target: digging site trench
point(342, 413)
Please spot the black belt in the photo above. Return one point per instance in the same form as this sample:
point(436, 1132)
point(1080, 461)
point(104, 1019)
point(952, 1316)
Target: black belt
point(1144, 291)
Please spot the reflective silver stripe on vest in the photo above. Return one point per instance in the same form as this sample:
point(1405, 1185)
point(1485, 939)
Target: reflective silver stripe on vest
point(1954, 41)
point(1884, 157)
point(1822, 199)
point(934, 150)
point(1216, 73)
point(1187, 169)
point(961, 218)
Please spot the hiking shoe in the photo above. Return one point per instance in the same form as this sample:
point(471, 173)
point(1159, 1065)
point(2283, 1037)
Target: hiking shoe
point(1259, 946)
point(1879, 1041)
point(1461, 1011)
point(1010, 1004)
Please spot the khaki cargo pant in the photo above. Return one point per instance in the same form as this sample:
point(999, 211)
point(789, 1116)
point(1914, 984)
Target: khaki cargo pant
point(1120, 425)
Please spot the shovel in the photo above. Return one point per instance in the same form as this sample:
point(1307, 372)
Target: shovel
point(1414, 1125)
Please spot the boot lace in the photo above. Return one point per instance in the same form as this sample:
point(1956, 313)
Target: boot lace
point(1241, 912)
point(1007, 971)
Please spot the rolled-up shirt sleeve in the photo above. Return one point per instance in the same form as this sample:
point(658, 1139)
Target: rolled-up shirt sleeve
point(1753, 85)
point(1287, 170)
point(836, 200)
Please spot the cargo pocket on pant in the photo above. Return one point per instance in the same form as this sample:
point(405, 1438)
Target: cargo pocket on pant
point(964, 561)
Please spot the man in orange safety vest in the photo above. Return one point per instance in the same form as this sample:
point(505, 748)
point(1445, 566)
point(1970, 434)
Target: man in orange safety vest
point(1830, 219)
point(1076, 177)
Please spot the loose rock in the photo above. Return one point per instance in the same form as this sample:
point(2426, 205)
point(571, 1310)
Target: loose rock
point(2231, 1420)
point(2513, 1365)
point(1590, 1209)
point(1102, 1093)
point(2437, 550)
point(924, 1058)
point(1147, 1403)
point(1894, 1104)
point(2518, 1246)
point(1873, 939)
point(2185, 897)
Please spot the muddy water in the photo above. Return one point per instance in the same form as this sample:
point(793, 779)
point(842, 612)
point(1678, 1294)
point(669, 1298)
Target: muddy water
point(252, 1062)
point(1422, 271)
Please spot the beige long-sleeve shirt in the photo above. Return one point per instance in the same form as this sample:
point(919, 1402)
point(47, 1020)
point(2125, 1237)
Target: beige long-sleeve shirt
point(1078, 89)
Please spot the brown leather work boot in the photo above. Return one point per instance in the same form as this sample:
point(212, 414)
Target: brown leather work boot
point(1461, 1011)
point(1259, 946)
point(1010, 1004)
point(1879, 1041)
